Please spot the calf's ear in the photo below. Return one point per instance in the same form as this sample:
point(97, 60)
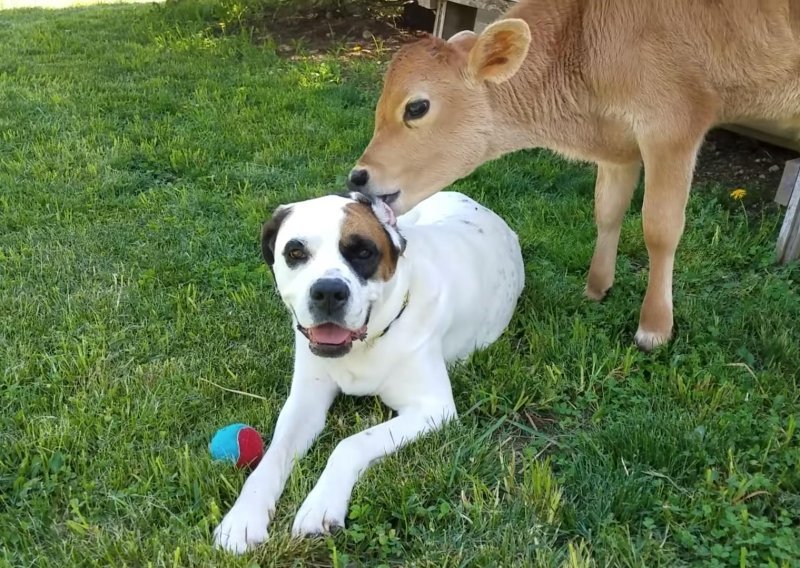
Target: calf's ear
point(463, 41)
point(499, 51)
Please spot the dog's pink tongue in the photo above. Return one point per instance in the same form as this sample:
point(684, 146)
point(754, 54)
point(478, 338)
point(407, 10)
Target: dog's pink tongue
point(329, 333)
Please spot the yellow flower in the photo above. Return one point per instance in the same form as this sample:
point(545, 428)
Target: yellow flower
point(738, 194)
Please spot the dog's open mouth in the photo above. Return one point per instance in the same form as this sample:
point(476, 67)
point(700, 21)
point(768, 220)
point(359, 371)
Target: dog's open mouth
point(332, 334)
point(331, 340)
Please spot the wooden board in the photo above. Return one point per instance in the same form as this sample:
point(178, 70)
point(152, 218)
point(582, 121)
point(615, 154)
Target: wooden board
point(769, 134)
point(498, 6)
point(788, 248)
point(453, 17)
point(790, 174)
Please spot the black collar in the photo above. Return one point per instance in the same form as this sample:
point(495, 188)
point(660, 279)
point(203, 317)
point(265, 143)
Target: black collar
point(397, 317)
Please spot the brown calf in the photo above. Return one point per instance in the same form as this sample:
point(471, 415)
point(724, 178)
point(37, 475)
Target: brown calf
point(616, 82)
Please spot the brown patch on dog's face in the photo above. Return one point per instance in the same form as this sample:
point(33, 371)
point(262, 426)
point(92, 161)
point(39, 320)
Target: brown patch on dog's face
point(366, 245)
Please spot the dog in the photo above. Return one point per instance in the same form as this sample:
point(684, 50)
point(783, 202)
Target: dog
point(621, 83)
point(380, 306)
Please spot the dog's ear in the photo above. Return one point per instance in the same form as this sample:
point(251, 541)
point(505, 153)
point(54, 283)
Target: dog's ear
point(269, 233)
point(386, 216)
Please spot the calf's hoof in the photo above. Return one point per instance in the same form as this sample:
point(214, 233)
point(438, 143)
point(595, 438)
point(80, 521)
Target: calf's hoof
point(596, 294)
point(649, 340)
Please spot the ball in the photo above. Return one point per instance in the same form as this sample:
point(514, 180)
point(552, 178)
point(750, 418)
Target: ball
point(239, 444)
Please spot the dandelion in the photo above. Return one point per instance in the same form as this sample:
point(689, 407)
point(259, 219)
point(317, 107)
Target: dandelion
point(738, 194)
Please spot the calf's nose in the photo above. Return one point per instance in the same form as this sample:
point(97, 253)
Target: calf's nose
point(358, 179)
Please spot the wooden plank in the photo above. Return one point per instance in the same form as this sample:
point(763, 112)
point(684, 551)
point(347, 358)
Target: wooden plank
point(453, 17)
point(768, 137)
point(483, 19)
point(791, 171)
point(499, 6)
point(788, 248)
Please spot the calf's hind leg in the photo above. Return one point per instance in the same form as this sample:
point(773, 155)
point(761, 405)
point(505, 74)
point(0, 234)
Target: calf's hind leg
point(612, 196)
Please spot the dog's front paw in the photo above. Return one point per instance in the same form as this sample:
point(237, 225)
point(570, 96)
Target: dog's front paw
point(321, 512)
point(243, 528)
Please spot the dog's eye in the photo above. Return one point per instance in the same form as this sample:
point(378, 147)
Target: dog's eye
point(364, 253)
point(416, 109)
point(297, 254)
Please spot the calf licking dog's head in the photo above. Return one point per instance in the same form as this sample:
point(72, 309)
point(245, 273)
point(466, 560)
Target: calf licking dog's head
point(332, 259)
point(435, 120)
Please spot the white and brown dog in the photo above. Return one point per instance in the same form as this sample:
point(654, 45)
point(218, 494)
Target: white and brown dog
point(381, 306)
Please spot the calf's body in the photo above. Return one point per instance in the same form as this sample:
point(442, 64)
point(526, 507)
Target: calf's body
point(621, 83)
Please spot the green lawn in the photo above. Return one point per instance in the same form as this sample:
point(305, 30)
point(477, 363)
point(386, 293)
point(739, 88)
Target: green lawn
point(138, 156)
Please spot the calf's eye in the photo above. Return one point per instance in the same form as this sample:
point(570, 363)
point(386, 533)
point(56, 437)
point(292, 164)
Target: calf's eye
point(416, 109)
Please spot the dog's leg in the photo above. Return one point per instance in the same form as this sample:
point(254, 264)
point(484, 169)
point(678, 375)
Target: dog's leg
point(612, 195)
point(300, 421)
point(326, 505)
point(668, 169)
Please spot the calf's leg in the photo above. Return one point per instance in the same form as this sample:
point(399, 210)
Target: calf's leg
point(668, 169)
point(612, 196)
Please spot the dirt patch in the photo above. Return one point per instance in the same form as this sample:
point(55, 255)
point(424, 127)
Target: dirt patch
point(729, 161)
point(369, 34)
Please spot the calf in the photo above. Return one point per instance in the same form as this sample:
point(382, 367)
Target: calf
point(615, 82)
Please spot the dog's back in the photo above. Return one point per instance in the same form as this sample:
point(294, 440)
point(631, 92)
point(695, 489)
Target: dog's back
point(473, 258)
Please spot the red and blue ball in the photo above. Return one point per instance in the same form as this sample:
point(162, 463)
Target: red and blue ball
point(239, 444)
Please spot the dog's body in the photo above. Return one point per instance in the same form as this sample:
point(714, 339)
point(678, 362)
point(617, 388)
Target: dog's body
point(439, 284)
point(618, 82)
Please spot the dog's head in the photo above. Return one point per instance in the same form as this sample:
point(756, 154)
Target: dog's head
point(332, 259)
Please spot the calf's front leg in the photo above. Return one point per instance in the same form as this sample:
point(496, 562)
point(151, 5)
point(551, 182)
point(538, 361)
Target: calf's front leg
point(668, 169)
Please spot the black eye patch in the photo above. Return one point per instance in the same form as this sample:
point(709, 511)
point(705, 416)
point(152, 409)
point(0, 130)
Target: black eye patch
point(295, 253)
point(362, 254)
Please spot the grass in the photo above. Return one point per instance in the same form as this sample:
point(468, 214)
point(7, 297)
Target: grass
point(138, 156)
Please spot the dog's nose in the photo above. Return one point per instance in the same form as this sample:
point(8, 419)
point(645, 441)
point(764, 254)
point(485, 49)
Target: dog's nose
point(329, 294)
point(358, 179)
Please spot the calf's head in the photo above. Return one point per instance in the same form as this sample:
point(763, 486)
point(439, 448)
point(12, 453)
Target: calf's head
point(434, 119)
point(332, 259)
